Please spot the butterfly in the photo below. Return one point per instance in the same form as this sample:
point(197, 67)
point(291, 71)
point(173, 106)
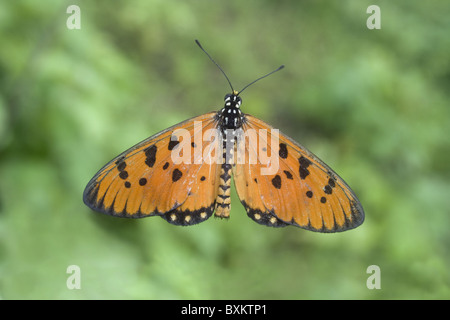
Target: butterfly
point(183, 174)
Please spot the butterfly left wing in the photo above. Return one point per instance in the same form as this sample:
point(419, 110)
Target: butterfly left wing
point(145, 181)
point(301, 191)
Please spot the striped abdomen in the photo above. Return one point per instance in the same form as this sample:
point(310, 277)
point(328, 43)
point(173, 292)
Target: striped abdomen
point(223, 201)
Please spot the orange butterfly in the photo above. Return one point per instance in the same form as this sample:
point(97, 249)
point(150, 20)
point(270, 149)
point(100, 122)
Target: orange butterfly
point(183, 174)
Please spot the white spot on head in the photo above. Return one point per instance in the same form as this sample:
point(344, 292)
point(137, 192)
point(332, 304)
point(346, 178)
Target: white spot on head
point(229, 110)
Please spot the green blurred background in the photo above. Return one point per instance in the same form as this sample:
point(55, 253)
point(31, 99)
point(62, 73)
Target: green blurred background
point(373, 104)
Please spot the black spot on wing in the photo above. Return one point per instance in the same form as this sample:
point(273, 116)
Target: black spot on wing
point(176, 175)
point(304, 164)
point(173, 144)
point(276, 182)
point(327, 189)
point(150, 154)
point(331, 183)
point(283, 152)
point(119, 160)
point(288, 175)
point(123, 175)
point(121, 165)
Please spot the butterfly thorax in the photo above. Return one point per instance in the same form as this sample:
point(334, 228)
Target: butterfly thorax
point(231, 117)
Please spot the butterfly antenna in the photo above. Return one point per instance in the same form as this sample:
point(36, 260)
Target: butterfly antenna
point(279, 68)
point(198, 43)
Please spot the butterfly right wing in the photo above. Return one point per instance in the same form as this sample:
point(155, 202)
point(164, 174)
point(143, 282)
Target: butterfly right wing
point(145, 181)
point(302, 190)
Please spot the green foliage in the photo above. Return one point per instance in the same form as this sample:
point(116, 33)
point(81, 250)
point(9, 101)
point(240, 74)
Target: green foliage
point(373, 104)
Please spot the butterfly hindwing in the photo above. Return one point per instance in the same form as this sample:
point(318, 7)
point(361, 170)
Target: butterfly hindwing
point(146, 181)
point(303, 191)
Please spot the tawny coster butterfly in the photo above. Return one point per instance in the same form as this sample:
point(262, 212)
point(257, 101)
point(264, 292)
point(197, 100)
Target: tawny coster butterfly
point(289, 187)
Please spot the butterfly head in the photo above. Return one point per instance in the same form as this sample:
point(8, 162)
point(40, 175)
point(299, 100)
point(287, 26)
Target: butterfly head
point(233, 100)
point(231, 116)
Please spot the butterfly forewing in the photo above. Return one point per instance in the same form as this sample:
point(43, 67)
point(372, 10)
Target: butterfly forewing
point(145, 180)
point(303, 191)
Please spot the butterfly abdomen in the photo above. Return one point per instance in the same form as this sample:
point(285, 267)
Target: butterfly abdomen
point(223, 200)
